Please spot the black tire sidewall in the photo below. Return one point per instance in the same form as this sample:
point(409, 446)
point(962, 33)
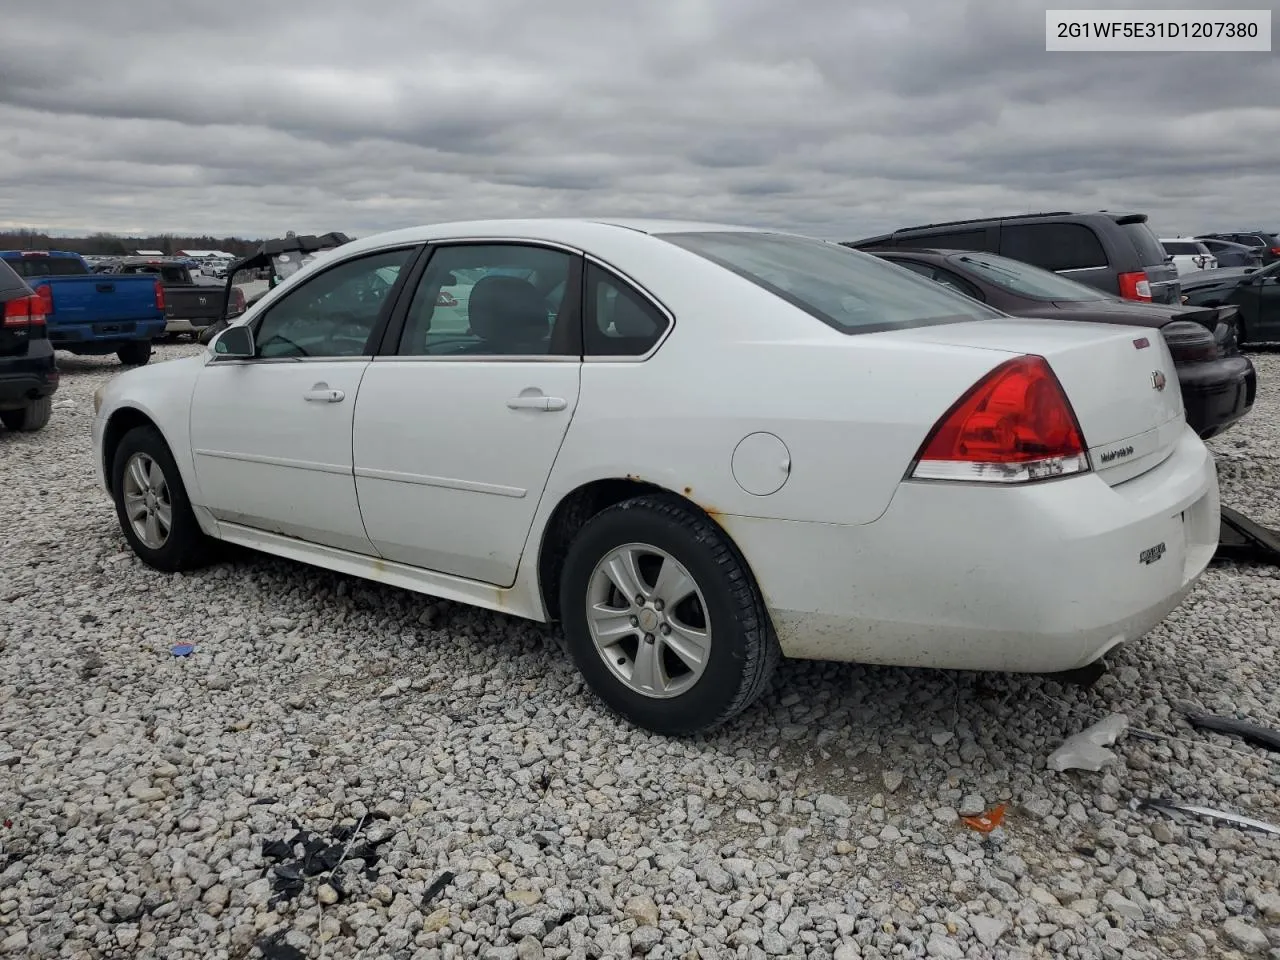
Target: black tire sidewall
point(135, 353)
point(185, 535)
point(710, 700)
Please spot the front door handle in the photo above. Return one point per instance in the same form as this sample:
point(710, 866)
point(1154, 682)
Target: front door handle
point(321, 393)
point(537, 403)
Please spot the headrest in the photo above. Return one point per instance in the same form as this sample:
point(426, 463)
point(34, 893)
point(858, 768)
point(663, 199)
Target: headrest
point(507, 309)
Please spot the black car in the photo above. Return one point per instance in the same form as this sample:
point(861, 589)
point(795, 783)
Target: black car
point(1256, 293)
point(1218, 383)
point(1265, 242)
point(1231, 254)
point(1115, 252)
point(28, 373)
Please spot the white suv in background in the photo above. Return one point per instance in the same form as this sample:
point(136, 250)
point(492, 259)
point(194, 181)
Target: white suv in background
point(1189, 255)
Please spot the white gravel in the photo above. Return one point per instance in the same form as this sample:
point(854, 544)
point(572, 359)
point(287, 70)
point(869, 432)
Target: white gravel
point(137, 788)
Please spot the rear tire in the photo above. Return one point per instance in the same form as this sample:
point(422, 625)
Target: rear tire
point(665, 542)
point(154, 491)
point(135, 353)
point(30, 418)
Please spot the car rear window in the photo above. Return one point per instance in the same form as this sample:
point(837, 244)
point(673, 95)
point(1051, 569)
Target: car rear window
point(1053, 246)
point(1023, 279)
point(851, 291)
point(1150, 253)
point(48, 267)
point(1180, 248)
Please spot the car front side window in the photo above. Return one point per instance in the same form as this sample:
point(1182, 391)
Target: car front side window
point(333, 313)
point(495, 300)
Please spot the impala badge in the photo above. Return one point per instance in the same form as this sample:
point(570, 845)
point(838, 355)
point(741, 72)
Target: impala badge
point(1157, 380)
point(1152, 554)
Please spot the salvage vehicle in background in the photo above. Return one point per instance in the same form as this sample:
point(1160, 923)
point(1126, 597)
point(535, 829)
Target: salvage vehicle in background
point(28, 370)
point(697, 447)
point(1218, 383)
point(1265, 242)
point(92, 314)
point(189, 307)
point(1256, 293)
point(270, 265)
point(1189, 255)
point(1115, 252)
point(1229, 254)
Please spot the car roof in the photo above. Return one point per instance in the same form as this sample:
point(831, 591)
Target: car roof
point(580, 232)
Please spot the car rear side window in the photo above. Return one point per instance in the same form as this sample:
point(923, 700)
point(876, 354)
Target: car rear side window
point(959, 240)
point(853, 292)
point(1181, 249)
point(620, 321)
point(1054, 246)
point(1150, 253)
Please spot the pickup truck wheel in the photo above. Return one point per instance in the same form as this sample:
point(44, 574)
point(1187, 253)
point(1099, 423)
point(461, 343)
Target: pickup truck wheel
point(135, 353)
point(663, 618)
point(152, 506)
point(29, 418)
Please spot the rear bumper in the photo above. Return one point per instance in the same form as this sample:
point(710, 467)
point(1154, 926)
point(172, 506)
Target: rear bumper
point(1041, 578)
point(30, 376)
point(88, 337)
point(1218, 393)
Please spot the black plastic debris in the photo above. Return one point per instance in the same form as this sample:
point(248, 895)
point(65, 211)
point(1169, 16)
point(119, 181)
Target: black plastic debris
point(1243, 540)
point(1248, 732)
point(308, 855)
point(275, 948)
point(437, 887)
point(286, 881)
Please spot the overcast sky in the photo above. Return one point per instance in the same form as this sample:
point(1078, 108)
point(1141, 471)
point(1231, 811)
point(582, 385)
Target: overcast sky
point(836, 118)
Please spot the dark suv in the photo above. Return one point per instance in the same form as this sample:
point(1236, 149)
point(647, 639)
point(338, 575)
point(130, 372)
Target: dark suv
point(1266, 243)
point(1115, 252)
point(28, 373)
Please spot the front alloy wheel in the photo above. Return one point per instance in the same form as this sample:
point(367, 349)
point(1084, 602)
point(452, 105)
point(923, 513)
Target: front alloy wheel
point(147, 502)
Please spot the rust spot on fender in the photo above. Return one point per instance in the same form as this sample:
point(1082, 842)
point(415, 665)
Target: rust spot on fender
point(688, 491)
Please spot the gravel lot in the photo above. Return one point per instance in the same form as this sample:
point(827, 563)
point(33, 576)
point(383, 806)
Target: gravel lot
point(137, 788)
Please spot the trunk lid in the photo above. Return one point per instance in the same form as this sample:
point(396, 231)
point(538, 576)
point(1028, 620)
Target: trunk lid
point(1120, 380)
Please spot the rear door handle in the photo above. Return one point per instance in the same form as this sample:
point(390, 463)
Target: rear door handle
point(537, 403)
point(321, 393)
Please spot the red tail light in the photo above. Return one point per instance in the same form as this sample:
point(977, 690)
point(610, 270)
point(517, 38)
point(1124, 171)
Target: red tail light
point(1014, 425)
point(159, 295)
point(1135, 286)
point(27, 311)
point(1276, 251)
point(1190, 342)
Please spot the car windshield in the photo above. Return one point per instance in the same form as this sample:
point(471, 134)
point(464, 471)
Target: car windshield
point(1023, 279)
point(851, 291)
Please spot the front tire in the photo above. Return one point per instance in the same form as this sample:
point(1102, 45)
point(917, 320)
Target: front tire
point(34, 416)
point(152, 506)
point(135, 353)
point(663, 618)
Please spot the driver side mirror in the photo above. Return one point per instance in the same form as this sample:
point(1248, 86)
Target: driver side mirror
point(235, 343)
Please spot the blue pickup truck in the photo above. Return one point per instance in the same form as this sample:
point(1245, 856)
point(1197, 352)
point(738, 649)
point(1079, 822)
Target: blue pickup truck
point(93, 314)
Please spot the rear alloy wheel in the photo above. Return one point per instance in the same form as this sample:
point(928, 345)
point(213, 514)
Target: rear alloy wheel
point(135, 353)
point(663, 618)
point(152, 506)
point(30, 418)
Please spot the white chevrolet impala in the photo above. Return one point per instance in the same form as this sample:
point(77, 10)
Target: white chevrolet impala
point(697, 447)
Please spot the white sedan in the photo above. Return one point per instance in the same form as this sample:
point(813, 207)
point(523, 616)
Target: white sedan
point(697, 447)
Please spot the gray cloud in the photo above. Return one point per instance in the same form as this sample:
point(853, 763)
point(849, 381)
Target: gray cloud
point(833, 118)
